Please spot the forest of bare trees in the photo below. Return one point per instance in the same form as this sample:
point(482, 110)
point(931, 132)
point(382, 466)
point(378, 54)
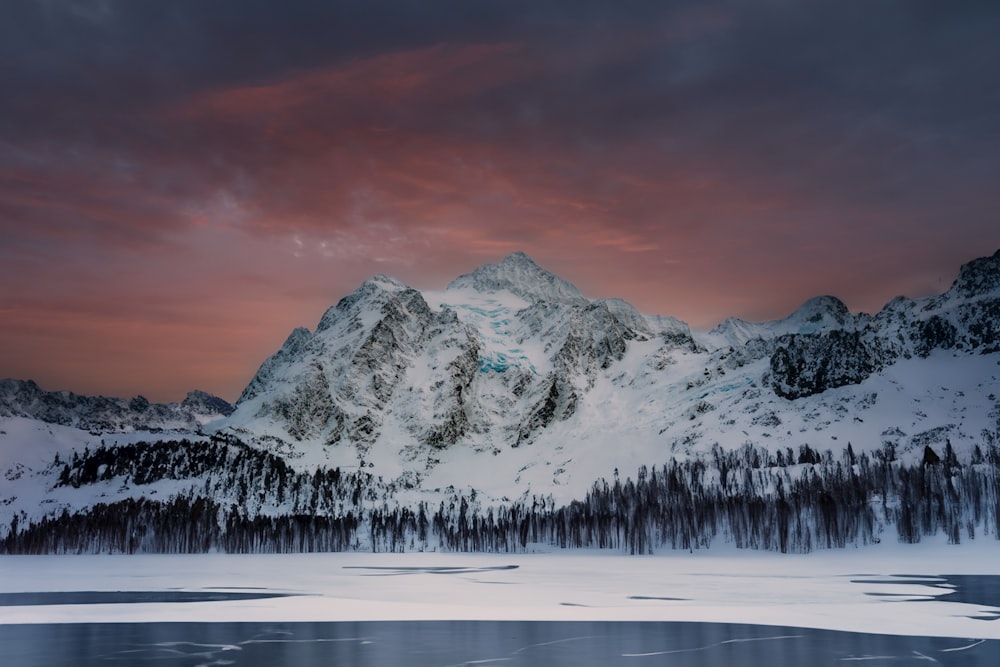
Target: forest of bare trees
point(237, 499)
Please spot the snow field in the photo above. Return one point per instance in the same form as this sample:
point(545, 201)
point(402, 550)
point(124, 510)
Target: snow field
point(819, 590)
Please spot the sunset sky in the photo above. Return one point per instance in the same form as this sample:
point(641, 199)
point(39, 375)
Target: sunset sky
point(183, 182)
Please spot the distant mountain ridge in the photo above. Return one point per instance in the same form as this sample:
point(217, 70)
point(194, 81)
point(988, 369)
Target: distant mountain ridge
point(965, 319)
point(821, 313)
point(24, 398)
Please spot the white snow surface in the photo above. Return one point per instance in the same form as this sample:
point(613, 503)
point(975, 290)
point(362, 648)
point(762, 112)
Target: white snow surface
point(825, 590)
point(491, 314)
point(821, 313)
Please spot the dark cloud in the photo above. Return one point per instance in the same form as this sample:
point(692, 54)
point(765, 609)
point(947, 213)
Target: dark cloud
point(703, 159)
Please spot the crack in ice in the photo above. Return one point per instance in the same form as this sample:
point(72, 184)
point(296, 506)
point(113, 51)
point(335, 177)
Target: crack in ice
point(554, 641)
point(917, 654)
point(710, 646)
point(963, 648)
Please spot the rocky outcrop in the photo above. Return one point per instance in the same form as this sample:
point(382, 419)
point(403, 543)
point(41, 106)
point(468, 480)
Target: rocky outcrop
point(558, 403)
point(966, 319)
point(803, 365)
point(978, 278)
point(308, 410)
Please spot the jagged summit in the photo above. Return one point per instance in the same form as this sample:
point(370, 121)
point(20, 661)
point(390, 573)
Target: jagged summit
point(978, 277)
point(520, 275)
point(371, 294)
point(384, 282)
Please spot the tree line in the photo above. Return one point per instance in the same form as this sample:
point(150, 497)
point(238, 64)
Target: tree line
point(233, 498)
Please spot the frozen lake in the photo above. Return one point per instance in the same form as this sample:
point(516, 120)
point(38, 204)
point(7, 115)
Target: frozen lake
point(888, 604)
point(447, 643)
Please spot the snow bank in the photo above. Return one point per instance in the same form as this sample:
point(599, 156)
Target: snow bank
point(820, 590)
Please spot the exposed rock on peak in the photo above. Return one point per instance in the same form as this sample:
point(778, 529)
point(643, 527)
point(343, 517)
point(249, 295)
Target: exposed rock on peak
point(978, 277)
point(293, 348)
point(370, 296)
point(670, 329)
point(205, 404)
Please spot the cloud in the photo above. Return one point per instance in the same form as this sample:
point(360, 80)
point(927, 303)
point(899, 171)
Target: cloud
point(699, 159)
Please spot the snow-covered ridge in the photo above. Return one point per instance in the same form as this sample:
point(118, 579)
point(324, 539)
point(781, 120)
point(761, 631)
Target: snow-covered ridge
point(821, 313)
point(24, 398)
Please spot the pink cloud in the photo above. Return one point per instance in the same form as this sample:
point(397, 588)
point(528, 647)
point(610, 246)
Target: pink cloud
point(180, 254)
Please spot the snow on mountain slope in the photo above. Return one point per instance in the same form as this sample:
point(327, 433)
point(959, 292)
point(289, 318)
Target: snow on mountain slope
point(28, 450)
point(821, 313)
point(412, 382)
point(520, 275)
point(512, 383)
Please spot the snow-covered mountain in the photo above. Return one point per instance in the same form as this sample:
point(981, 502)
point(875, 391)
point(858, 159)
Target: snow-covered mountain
point(515, 363)
point(422, 384)
point(510, 384)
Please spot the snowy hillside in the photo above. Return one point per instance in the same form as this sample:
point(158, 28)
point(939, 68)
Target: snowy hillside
point(509, 387)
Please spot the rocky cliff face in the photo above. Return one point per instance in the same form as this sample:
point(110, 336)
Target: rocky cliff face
point(964, 319)
point(500, 355)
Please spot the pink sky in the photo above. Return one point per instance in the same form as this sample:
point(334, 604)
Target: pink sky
point(175, 199)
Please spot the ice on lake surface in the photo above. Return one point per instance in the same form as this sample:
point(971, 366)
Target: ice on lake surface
point(126, 597)
point(875, 605)
point(447, 643)
point(981, 590)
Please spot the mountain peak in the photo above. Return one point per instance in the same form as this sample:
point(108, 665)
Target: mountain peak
point(978, 277)
point(822, 309)
point(520, 275)
point(376, 289)
point(820, 313)
point(518, 257)
point(384, 282)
